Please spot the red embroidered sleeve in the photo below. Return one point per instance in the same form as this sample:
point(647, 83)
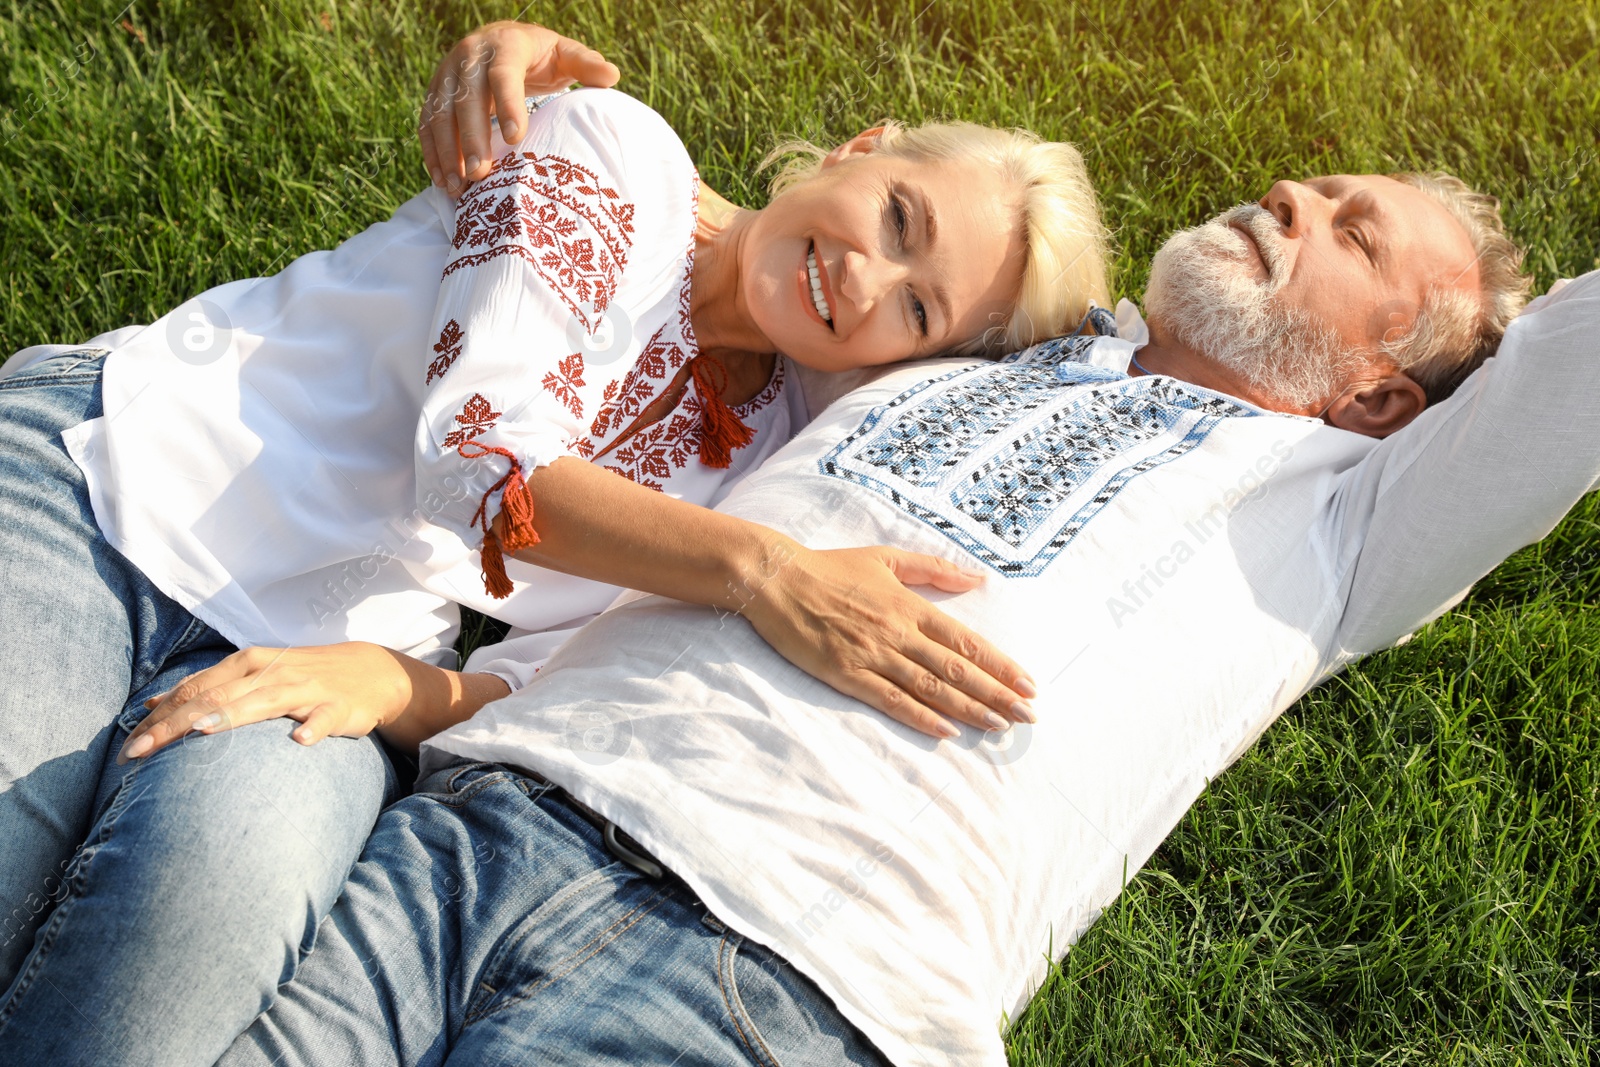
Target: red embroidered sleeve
point(558, 216)
point(564, 382)
point(477, 418)
point(445, 349)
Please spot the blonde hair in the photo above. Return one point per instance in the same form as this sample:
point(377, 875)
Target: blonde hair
point(1067, 247)
point(1454, 332)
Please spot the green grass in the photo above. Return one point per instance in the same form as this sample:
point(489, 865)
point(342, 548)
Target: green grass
point(1404, 869)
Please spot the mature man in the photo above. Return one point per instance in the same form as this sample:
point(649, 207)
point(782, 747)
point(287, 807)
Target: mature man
point(674, 847)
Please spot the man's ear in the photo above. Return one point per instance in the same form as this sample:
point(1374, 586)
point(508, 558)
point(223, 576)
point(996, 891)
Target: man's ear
point(1377, 408)
point(859, 145)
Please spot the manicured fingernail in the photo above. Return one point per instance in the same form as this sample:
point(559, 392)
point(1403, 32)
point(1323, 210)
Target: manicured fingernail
point(1025, 686)
point(304, 733)
point(948, 731)
point(438, 179)
point(453, 182)
point(994, 722)
point(214, 719)
point(137, 747)
point(472, 164)
point(511, 131)
point(1022, 711)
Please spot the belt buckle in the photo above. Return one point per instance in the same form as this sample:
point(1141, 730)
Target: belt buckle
point(632, 854)
point(634, 858)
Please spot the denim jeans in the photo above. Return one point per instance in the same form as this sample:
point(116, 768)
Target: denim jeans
point(487, 924)
point(152, 909)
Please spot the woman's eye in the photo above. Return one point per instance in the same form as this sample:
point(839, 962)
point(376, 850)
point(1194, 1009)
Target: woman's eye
point(921, 314)
point(899, 217)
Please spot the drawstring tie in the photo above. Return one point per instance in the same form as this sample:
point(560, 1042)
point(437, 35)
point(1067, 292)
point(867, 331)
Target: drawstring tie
point(721, 431)
point(516, 505)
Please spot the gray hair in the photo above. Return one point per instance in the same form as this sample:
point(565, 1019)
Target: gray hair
point(1454, 332)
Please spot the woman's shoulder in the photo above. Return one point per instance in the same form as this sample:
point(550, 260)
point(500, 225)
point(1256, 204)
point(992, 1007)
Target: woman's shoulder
point(623, 138)
point(597, 196)
point(599, 160)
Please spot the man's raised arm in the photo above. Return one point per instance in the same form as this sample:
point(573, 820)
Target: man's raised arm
point(1476, 477)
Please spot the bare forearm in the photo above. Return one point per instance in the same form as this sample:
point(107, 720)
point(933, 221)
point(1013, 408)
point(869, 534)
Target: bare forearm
point(439, 700)
point(595, 524)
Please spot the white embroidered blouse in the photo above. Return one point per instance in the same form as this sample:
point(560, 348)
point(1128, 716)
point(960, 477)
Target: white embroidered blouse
point(313, 457)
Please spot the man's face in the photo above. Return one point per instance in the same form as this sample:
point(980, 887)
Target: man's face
point(1295, 292)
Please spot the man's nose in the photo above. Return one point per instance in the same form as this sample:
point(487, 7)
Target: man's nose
point(868, 278)
point(1295, 206)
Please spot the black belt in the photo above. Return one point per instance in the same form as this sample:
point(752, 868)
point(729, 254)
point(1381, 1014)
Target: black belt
point(617, 842)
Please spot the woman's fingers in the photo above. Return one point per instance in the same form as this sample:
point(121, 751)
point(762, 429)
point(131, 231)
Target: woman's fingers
point(471, 118)
point(894, 701)
point(491, 71)
point(952, 684)
point(257, 705)
point(226, 707)
point(198, 699)
point(573, 61)
point(510, 105)
point(975, 666)
point(447, 146)
point(430, 151)
point(914, 568)
point(956, 655)
point(319, 722)
point(172, 713)
point(930, 689)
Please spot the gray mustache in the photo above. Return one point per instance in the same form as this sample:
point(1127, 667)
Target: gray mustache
point(1262, 225)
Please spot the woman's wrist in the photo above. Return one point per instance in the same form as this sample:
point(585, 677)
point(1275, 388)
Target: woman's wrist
point(751, 564)
point(440, 699)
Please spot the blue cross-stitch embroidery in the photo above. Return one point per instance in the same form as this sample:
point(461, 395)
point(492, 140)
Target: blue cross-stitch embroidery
point(1012, 460)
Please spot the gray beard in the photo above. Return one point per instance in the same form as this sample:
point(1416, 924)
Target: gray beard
point(1203, 292)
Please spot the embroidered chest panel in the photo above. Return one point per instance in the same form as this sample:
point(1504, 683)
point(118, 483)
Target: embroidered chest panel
point(651, 453)
point(1012, 461)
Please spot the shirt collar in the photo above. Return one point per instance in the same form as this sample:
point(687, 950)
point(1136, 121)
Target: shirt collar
point(1130, 324)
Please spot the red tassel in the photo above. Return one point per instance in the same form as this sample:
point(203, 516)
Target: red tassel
point(516, 504)
point(495, 581)
point(721, 431)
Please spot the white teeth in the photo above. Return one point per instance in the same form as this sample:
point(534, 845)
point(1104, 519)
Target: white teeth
point(816, 287)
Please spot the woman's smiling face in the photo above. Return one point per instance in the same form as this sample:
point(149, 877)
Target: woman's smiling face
point(879, 259)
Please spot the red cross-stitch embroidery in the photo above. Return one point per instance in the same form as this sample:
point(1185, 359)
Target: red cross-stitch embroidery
point(668, 349)
point(476, 418)
point(766, 396)
point(446, 349)
point(651, 455)
point(565, 381)
point(556, 215)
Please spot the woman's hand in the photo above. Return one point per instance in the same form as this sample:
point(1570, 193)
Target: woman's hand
point(846, 617)
point(345, 690)
point(493, 69)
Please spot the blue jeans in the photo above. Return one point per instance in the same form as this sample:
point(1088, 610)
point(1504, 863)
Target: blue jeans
point(487, 924)
point(150, 910)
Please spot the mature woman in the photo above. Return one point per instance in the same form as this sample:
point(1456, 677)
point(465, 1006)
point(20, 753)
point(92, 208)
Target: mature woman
point(270, 502)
